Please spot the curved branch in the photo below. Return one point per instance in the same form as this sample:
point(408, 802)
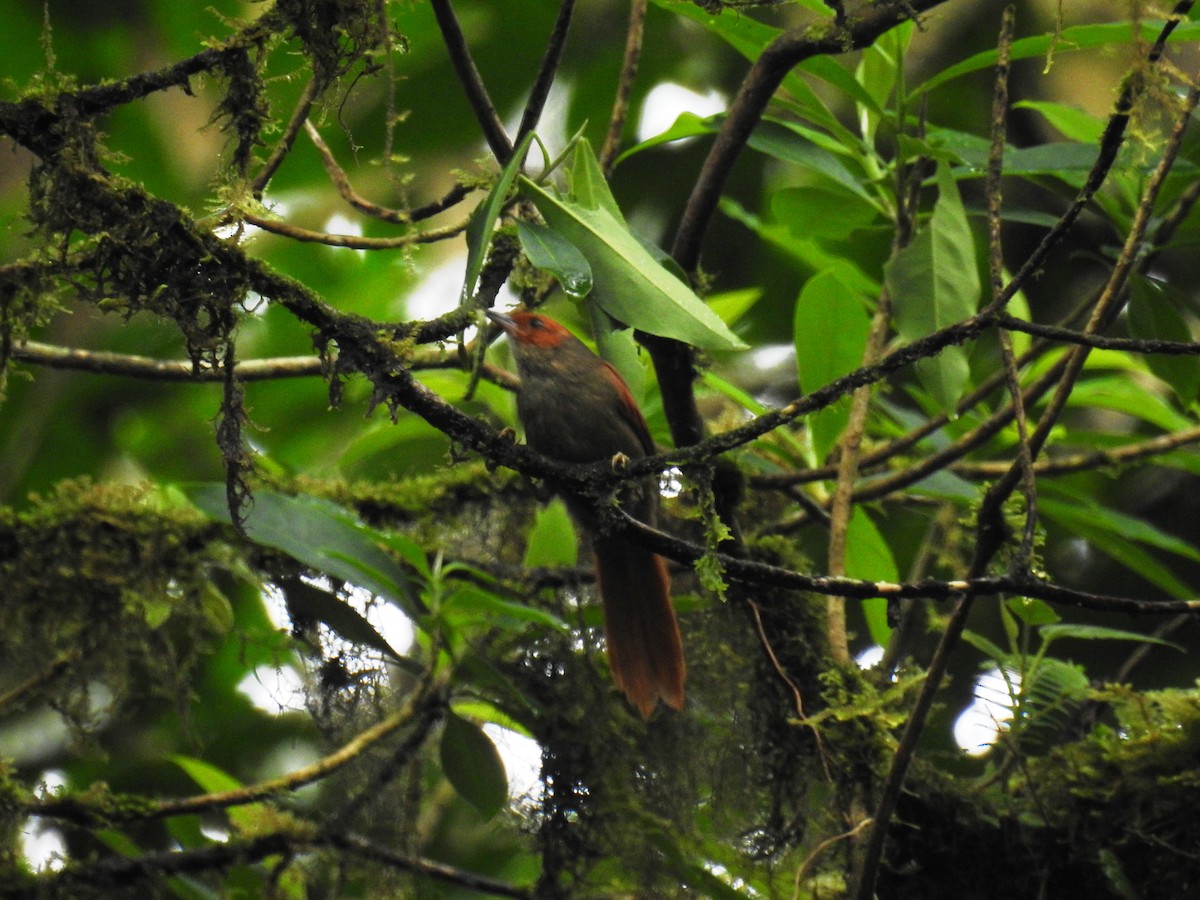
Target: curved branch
point(399, 216)
point(354, 242)
point(421, 711)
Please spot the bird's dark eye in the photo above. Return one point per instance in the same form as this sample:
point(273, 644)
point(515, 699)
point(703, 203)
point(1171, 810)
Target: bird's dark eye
point(536, 322)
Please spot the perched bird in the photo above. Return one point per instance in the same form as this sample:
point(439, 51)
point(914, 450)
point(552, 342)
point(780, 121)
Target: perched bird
point(576, 408)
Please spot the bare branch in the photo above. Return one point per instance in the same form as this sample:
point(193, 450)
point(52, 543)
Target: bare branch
point(105, 363)
point(549, 69)
point(472, 82)
point(625, 82)
point(352, 241)
point(284, 145)
point(399, 216)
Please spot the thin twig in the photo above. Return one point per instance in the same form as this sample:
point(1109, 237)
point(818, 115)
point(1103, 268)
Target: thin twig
point(126, 871)
point(472, 82)
point(430, 693)
point(1093, 459)
point(625, 81)
point(797, 697)
point(399, 216)
point(43, 676)
point(549, 69)
point(284, 145)
point(1099, 341)
point(996, 268)
point(352, 241)
point(130, 366)
point(428, 867)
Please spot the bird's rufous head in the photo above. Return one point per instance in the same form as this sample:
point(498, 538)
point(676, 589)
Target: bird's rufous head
point(531, 329)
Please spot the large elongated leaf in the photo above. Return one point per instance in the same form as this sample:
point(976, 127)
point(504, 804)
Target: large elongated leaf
point(1116, 536)
point(934, 283)
point(1153, 315)
point(1086, 632)
point(811, 253)
point(320, 534)
point(552, 540)
point(630, 285)
point(787, 141)
point(1123, 394)
point(473, 766)
point(558, 256)
point(483, 220)
point(868, 556)
point(307, 602)
point(830, 328)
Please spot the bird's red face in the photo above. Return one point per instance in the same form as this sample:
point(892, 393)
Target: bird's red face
point(531, 329)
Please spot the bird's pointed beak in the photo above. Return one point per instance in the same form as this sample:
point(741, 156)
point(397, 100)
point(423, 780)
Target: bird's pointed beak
point(508, 323)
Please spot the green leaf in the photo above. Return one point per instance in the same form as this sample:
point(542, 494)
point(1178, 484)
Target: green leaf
point(869, 557)
point(732, 305)
point(933, 284)
point(477, 604)
point(686, 125)
point(1073, 39)
point(750, 37)
point(119, 842)
point(211, 779)
point(879, 71)
point(985, 646)
point(473, 766)
point(839, 211)
point(552, 540)
point(794, 143)
point(830, 329)
point(1067, 160)
point(307, 602)
point(217, 609)
point(1153, 315)
point(1032, 611)
point(630, 285)
point(319, 534)
point(1100, 633)
point(810, 253)
point(618, 347)
point(789, 142)
point(1125, 395)
point(588, 184)
point(1116, 535)
point(482, 222)
point(1072, 122)
point(548, 250)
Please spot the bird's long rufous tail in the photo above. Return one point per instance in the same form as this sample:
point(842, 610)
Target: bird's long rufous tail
point(644, 648)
